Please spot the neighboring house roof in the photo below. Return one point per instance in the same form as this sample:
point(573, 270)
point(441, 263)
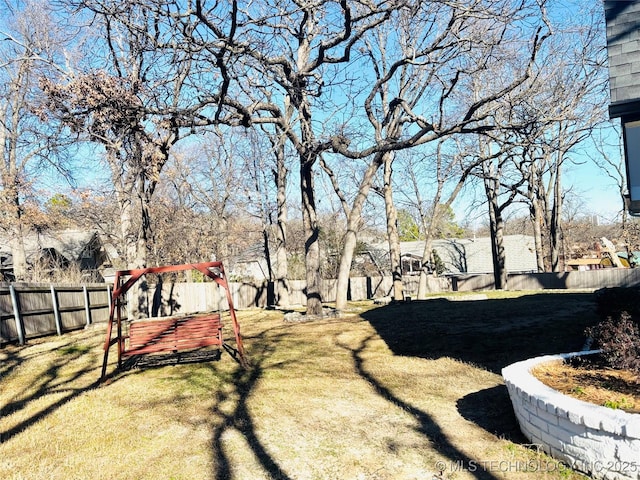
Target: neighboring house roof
point(473, 255)
point(71, 245)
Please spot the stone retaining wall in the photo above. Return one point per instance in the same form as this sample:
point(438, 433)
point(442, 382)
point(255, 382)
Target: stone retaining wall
point(600, 441)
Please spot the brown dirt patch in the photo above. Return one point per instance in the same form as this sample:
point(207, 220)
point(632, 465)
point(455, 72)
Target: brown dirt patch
point(593, 383)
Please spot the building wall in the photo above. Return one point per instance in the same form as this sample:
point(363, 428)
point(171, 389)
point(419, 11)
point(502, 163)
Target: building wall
point(623, 45)
point(474, 256)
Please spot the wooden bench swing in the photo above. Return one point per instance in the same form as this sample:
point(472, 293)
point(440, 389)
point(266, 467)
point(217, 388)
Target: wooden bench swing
point(168, 334)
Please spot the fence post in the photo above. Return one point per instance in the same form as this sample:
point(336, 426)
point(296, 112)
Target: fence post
point(87, 308)
point(56, 310)
point(16, 314)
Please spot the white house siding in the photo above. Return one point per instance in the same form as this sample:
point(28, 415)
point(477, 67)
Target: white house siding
point(473, 255)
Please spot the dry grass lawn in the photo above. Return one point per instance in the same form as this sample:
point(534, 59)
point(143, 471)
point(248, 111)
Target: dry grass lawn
point(409, 391)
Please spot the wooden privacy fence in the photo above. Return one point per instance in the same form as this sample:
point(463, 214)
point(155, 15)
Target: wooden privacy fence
point(46, 309)
point(32, 310)
point(589, 279)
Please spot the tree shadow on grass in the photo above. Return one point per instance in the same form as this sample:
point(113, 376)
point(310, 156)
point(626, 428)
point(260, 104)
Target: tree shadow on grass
point(427, 426)
point(9, 361)
point(230, 411)
point(68, 386)
point(48, 383)
point(239, 418)
point(488, 333)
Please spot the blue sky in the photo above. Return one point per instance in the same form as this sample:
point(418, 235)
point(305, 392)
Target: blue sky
point(598, 190)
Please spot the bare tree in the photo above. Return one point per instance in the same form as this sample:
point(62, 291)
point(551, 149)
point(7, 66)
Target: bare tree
point(282, 63)
point(259, 174)
point(416, 99)
point(288, 56)
point(135, 101)
point(210, 176)
point(280, 173)
point(135, 104)
point(540, 124)
point(610, 160)
point(29, 143)
point(447, 174)
point(501, 185)
point(566, 103)
point(183, 231)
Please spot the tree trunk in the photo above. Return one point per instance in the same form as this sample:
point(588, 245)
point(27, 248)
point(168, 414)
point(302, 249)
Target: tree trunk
point(427, 253)
point(556, 213)
point(500, 256)
point(392, 230)
point(423, 284)
point(496, 228)
point(15, 228)
point(344, 268)
point(133, 194)
point(282, 270)
point(125, 249)
point(13, 126)
point(428, 229)
point(127, 231)
point(535, 212)
point(354, 220)
point(437, 213)
point(537, 219)
point(266, 251)
point(311, 231)
point(135, 245)
point(18, 254)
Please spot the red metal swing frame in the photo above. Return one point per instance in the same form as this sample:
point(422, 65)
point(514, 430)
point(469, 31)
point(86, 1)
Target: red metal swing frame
point(168, 334)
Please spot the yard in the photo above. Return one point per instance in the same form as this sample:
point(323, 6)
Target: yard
point(408, 391)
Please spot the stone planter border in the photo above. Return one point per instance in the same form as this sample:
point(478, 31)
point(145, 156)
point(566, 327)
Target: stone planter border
point(600, 441)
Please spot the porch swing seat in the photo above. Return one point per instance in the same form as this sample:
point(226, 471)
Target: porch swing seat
point(190, 332)
point(174, 334)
